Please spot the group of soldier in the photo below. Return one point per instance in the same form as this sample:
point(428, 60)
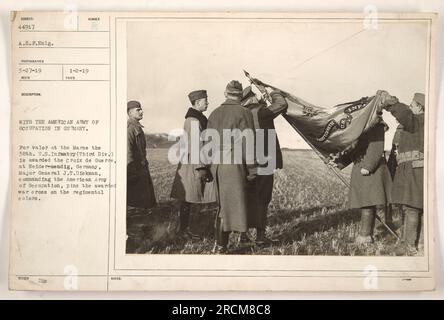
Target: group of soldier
point(243, 196)
point(377, 183)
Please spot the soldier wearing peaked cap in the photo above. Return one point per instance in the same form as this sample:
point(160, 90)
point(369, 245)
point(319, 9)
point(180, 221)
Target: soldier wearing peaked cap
point(409, 176)
point(140, 189)
point(232, 178)
point(193, 182)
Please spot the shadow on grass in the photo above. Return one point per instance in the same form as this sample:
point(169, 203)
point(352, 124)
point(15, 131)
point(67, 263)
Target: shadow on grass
point(155, 231)
point(285, 215)
point(304, 224)
point(316, 231)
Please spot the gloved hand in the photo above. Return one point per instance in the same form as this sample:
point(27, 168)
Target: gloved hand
point(204, 175)
point(365, 172)
point(252, 174)
point(251, 177)
point(275, 92)
point(333, 163)
point(387, 100)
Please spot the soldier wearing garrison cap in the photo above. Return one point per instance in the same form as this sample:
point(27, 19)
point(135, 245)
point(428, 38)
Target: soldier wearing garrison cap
point(193, 182)
point(408, 180)
point(140, 190)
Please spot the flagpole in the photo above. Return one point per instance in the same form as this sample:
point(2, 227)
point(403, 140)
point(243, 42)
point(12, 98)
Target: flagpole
point(266, 96)
point(334, 169)
point(338, 174)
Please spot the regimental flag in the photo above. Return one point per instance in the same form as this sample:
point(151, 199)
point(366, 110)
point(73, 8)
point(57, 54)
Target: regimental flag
point(335, 129)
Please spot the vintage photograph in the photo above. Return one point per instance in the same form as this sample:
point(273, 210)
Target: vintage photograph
point(223, 151)
point(276, 137)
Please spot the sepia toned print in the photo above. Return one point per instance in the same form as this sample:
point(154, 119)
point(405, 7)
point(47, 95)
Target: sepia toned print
point(360, 212)
point(222, 151)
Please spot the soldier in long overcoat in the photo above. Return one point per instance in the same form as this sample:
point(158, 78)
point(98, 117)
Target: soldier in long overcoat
point(232, 179)
point(408, 182)
point(262, 187)
point(140, 189)
point(370, 184)
point(192, 182)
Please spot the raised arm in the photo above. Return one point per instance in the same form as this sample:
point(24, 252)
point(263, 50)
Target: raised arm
point(405, 116)
point(278, 106)
point(247, 123)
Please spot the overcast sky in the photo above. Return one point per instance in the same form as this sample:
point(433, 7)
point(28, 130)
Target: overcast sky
point(324, 63)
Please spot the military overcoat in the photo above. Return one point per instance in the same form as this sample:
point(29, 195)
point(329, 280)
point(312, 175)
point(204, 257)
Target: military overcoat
point(373, 189)
point(186, 185)
point(140, 189)
point(231, 179)
point(408, 184)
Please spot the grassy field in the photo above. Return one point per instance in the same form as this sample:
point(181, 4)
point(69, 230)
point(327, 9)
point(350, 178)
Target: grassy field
point(307, 215)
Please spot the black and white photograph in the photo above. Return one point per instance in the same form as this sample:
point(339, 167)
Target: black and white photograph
point(179, 151)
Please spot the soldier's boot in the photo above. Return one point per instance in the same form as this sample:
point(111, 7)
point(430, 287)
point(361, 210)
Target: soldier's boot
point(411, 226)
point(222, 237)
point(244, 239)
point(367, 225)
point(410, 232)
point(262, 239)
point(388, 217)
point(184, 221)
